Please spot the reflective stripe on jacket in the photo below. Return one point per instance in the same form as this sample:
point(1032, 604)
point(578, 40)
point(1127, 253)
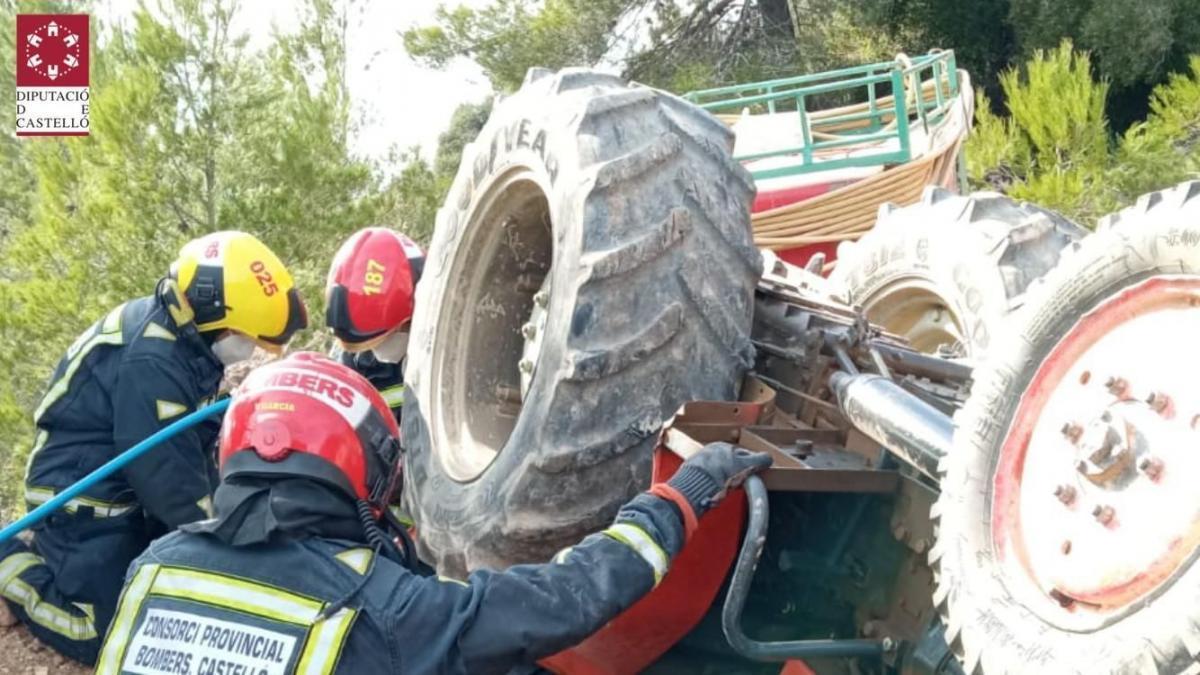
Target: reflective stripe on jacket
point(130, 374)
point(303, 606)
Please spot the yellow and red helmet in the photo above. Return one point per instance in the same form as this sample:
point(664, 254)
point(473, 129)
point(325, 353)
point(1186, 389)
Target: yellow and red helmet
point(369, 291)
point(306, 416)
point(234, 282)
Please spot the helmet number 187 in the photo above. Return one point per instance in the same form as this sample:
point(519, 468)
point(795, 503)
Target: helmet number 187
point(264, 278)
point(373, 280)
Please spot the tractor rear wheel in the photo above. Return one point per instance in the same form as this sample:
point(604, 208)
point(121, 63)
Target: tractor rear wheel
point(592, 270)
point(1069, 522)
point(946, 272)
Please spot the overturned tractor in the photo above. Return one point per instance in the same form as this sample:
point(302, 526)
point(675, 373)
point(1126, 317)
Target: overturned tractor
point(981, 431)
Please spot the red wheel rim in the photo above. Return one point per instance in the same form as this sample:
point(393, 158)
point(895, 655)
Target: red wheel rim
point(1094, 501)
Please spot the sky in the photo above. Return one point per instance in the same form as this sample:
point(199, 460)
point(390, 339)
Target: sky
point(400, 102)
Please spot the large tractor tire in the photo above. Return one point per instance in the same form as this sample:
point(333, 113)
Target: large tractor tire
point(591, 270)
point(1069, 521)
point(946, 272)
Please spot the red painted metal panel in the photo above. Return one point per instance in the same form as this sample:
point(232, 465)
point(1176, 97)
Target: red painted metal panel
point(644, 632)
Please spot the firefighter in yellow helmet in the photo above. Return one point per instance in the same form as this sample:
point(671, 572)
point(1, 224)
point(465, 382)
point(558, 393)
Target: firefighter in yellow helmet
point(140, 367)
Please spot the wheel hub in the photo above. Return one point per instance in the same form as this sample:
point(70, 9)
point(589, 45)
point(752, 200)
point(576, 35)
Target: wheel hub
point(1095, 502)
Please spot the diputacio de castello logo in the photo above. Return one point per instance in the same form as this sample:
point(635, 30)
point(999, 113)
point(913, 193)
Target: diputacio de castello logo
point(52, 75)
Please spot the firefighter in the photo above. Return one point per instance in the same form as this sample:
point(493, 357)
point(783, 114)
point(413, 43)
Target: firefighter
point(142, 366)
point(369, 305)
point(295, 572)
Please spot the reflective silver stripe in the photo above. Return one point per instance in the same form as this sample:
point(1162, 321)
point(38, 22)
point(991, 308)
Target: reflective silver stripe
point(54, 618)
point(324, 645)
point(394, 396)
point(357, 559)
point(118, 635)
point(215, 589)
point(206, 505)
point(47, 615)
point(643, 544)
point(112, 321)
point(38, 442)
point(322, 648)
point(14, 564)
point(39, 495)
point(154, 330)
point(561, 556)
point(109, 334)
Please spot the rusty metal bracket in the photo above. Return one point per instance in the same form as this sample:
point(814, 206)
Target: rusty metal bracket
point(805, 459)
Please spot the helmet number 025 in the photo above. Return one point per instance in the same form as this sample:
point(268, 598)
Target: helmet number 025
point(373, 279)
point(264, 278)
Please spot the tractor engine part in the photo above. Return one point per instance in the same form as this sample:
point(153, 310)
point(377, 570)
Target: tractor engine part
point(739, 587)
point(910, 428)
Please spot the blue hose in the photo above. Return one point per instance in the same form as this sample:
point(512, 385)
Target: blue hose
point(112, 466)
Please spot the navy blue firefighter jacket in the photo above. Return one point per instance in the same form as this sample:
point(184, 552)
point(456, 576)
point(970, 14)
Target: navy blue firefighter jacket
point(195, 604)
point(131, 373)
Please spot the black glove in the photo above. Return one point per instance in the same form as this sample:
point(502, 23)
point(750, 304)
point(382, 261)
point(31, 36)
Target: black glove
point(705, 478)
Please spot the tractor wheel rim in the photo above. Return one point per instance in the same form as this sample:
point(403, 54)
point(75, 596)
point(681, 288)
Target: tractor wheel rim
point(911, 308)
point(482, 363)
point(1094, 501)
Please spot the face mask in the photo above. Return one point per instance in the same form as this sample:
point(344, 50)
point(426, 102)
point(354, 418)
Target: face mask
point(393, 348)
point(232, 348)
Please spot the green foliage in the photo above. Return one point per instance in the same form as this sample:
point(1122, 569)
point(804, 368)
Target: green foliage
point(1134, 42)
point(413, 196)
point(1053, 147)
point(465, 124)
point(508, 37)
point(1165, 148)
point(191, 133)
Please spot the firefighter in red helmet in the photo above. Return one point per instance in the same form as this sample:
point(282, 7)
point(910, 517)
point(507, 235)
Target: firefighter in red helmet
point(369, 297)
point(295, 572)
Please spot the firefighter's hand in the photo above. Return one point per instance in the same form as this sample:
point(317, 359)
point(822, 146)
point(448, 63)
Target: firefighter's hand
point(705, 478)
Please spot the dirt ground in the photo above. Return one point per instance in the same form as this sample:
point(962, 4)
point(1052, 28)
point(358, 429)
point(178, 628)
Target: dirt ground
point(22, 654)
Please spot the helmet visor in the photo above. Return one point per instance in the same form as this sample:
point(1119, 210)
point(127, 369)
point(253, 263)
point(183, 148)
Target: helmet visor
point(297, 320)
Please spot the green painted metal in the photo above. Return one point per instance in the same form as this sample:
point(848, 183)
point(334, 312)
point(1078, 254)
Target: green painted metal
point(882, 122)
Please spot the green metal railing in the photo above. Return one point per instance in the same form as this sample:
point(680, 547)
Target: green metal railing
point(921, 89)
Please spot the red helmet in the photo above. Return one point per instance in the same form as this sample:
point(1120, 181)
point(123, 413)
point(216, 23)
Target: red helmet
point(369, 292)
point(310, 417)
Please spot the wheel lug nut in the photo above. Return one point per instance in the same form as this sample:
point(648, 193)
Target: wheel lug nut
point(1065, 494)
point(1152, 467)
point(529, 331)
point(542, 298)
point(1117, 386)
point(526, 366)
point(1072, 431)
point(1066, 547)
point(1103, 514)
point(1063, 599)
point(1159, 402)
